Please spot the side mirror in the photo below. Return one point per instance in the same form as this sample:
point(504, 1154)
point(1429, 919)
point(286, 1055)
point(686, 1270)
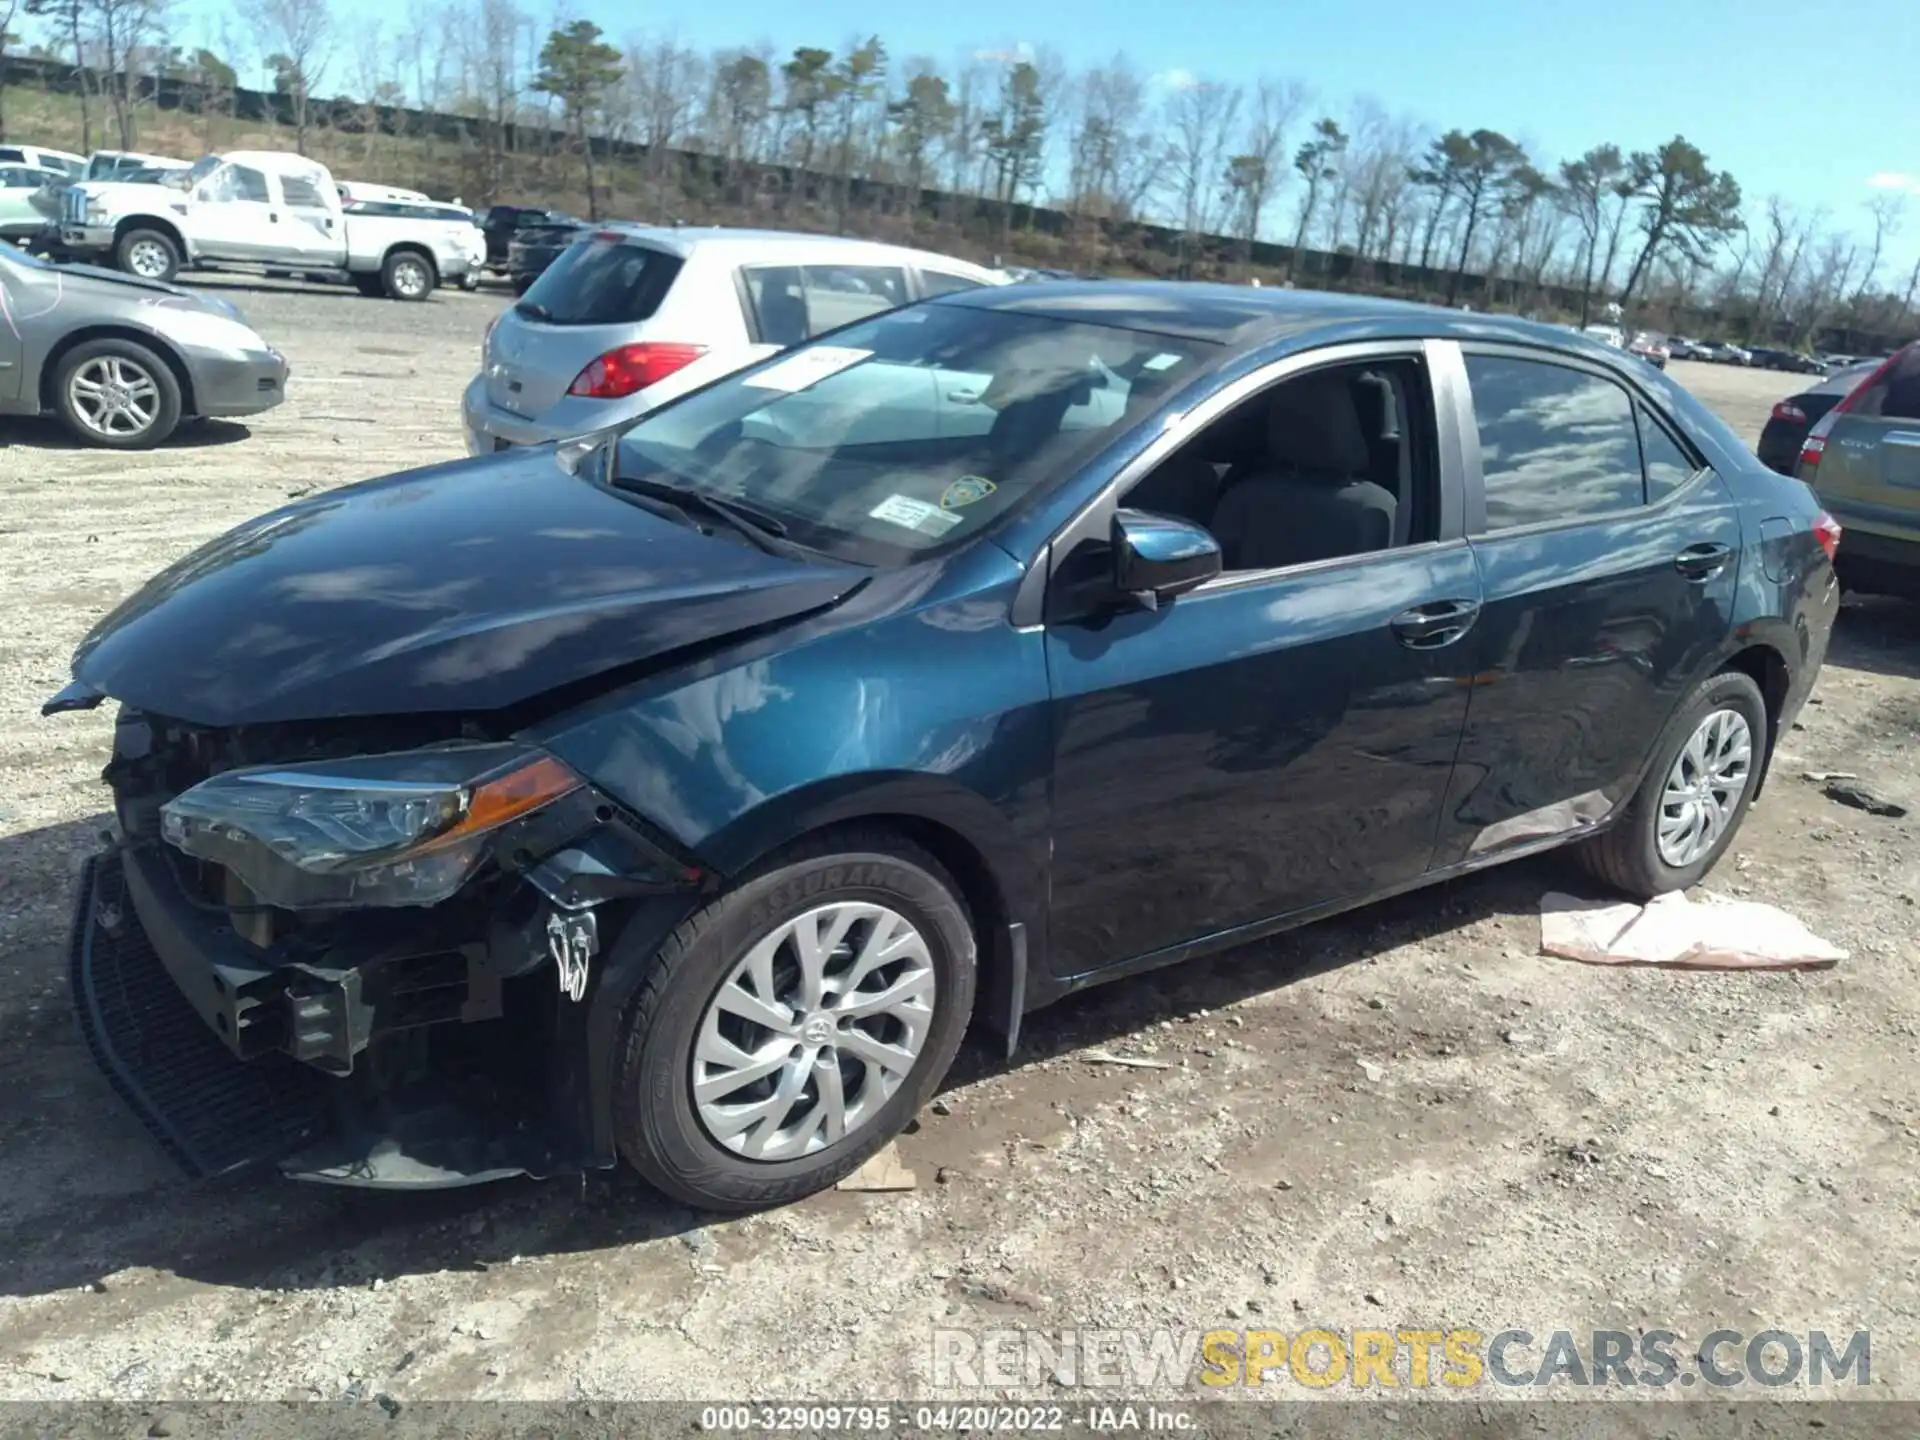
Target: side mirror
point(1156, 557)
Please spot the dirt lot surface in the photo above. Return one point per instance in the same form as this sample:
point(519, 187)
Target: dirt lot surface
point(1405, 1117)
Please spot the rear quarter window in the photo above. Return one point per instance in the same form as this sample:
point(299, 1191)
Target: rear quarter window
point(1896, 394)
point(602, 282)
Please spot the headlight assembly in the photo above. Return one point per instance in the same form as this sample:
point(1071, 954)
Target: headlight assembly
point(375, 830)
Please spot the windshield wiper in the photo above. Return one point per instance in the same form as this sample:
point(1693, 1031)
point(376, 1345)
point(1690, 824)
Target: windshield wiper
point(768, 533)
point(533, 310)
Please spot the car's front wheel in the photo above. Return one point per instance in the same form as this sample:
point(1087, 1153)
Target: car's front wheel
point(1694, 795)
point(113, 392)
point(796, 1024)
point(148, 254)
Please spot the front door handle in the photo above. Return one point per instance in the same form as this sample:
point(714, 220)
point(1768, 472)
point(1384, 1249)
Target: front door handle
point(1429, 627)
point(1702, 562)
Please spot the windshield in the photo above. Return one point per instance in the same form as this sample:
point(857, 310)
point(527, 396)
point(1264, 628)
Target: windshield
point(913, 430)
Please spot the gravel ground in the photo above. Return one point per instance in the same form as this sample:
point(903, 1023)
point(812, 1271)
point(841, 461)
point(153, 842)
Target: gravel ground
point(1404, 1117)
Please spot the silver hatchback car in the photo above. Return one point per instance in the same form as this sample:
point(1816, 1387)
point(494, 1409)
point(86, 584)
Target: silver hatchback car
point(631, 316)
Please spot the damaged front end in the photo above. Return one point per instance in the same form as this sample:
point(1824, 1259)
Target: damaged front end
point(365, 951)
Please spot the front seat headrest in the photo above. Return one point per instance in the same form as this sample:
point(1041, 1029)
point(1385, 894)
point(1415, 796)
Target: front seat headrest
point(1313, 427)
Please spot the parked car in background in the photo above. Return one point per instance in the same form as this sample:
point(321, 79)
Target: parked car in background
point(19, 183)
point(1833, 360)
point(539, 238)
point(500, 221)
point(1681, 347)
point(263, 208)
point(1787, 426)
point(1607, 335)
point(1770, 358)
point(39, 157)
point(681, 799)
point(1862, 459)
point(120, 164)
point(633, 315)
point(122, 361)
point(1650, 348)
point(1727, 353)
point(460, 224)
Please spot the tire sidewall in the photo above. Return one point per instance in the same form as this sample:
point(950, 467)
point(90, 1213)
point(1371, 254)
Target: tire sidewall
point(654, 1107)
point(165, 422)
point(1730, 690)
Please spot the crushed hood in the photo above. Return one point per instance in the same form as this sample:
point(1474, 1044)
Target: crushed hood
point(464, 587)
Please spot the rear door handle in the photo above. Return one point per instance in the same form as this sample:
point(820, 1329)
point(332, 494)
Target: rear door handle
point(1432, 626)
point(1702, 562)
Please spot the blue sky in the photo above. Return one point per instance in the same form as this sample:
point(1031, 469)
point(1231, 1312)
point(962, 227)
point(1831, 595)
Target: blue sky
point(1816, 104)
point(1755, 83)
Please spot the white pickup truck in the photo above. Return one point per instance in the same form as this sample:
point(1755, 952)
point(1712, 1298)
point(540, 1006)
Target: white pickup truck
point(266, 209)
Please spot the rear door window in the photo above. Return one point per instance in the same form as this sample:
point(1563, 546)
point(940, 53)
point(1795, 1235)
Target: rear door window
point(301, 193)
point(1669, 466)
point(1895, 395)
point(602, 282)
point(792, 303)
point(1556, 443)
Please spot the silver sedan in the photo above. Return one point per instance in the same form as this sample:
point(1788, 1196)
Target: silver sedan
point(123, 360)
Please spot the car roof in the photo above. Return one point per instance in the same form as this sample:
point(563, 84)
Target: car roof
point(683, 240)
point(1243, 315)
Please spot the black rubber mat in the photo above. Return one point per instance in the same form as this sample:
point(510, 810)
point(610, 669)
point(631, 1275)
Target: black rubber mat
point(213, 1112)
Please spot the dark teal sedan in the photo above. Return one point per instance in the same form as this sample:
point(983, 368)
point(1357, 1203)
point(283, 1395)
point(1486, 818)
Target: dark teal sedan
point(680, 796)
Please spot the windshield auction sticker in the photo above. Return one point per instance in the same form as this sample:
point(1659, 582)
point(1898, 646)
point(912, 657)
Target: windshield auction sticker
point(809, 367)
point(912, 514)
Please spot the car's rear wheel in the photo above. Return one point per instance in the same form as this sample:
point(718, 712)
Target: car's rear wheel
point(116, 393)
point(795, 1025)
point(1694, 796)
point(148, 254)
point(407, 276)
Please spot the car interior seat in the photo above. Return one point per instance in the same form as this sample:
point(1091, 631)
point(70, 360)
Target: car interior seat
point(1309, 497)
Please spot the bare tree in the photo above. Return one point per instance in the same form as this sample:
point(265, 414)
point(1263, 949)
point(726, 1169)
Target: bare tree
point(1256, 173)
point(1887, 212)
point(1589, 190)
point(1200, 114)
point(1114, 158)
point(664, 80)
point(738, 104)
point(10, 10)
point(121, 31)
point(297, 38)
point(68, 20)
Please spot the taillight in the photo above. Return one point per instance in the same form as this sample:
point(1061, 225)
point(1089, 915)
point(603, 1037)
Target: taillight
point(1815, 445)
point(1787, 410)
point(627, 369)
point(1826, 530)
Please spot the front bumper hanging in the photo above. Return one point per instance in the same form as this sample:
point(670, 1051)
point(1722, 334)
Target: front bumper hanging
point(171, 1040)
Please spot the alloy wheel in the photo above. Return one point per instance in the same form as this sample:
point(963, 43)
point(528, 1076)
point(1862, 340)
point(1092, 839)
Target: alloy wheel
point(410, 278)
point(1704, 788)
point(114, 396)
point(148, 259)
point(813, 1031)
